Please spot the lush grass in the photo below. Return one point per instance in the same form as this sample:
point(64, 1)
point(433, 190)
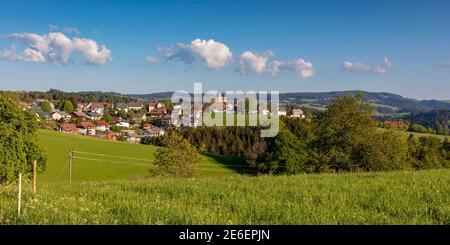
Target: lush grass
point(119, 160)
point(421, 197)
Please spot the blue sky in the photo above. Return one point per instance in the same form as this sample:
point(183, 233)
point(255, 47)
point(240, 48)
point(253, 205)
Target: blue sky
point(391, 46)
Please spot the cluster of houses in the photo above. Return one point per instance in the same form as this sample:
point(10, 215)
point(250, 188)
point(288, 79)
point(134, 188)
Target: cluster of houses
point(86, 119)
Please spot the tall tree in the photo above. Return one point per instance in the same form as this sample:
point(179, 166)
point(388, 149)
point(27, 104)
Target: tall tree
point(348, 139)
point(18, 141)
point(45, 106)
point(67, 106)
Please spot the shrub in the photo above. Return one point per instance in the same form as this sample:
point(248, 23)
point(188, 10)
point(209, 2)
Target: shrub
point(176, 159)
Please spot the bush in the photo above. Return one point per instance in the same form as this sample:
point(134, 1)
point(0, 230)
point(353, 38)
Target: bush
point(427, 153)
point(176, 159)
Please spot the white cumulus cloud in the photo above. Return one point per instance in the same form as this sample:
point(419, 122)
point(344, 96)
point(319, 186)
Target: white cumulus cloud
point(215, 54)
point(302, 68)
point(57, 48)
point(254, 62)
point(361, 67)
point(28, 55)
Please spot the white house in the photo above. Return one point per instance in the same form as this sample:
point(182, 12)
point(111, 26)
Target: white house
point(56, 116)
point(102, 126)
point(121, 107)
point(154, 105)
point(153, 131)
point(94, 116)
point(132, 106)
point(123, 124)
point(132, 137)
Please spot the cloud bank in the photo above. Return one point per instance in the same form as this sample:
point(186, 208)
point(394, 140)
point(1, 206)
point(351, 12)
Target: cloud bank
point(57, 48)
point(217, 55)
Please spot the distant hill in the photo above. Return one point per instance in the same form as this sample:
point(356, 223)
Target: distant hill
point(385, 104)
point(152, 96)
point(387, 101)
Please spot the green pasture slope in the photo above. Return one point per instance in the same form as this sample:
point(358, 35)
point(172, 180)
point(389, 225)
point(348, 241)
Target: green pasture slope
point(107, 160)
point(421, 197)
point(102, 193)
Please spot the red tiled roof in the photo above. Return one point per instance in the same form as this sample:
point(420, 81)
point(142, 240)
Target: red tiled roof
point(100, 104)
point(103, 123)
point(157, 111)
point(87, 125)
point(69, 127)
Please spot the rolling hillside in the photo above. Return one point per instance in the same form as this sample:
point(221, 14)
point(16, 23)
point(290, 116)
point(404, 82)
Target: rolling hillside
point(99, 159)
point(419, 197)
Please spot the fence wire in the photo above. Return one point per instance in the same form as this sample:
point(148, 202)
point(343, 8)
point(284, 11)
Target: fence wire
point(147, 160)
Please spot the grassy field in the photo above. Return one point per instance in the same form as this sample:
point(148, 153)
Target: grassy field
point(99, 159)
point(421, 197)
point(406, 134)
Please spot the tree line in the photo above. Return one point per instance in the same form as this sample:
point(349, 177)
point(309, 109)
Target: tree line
point(345, 138)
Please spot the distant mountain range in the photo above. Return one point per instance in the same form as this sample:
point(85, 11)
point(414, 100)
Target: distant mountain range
point(384, 103)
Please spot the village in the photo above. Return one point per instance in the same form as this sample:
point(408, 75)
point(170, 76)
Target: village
point(128, 122)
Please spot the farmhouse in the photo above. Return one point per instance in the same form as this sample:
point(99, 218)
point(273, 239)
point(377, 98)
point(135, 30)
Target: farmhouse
point(158, 112)
point(132, 137)
point(94, 116)
point(154, 105)
point(121, 107)
point(135, 106)
point(86, 128)
point(79, 115)
point(68, 128)
point(102, 126)
point(123, 124)
point(58, 115)
point(100, 107)
point(83, 106)
point(153, 131)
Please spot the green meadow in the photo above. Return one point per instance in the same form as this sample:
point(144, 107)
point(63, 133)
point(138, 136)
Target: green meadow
point(99, 159)
point(115, 191)
point(420, 197)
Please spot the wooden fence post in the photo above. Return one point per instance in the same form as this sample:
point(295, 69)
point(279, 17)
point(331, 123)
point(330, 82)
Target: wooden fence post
point(70, 165)
point(34, 177)
point(20, 194)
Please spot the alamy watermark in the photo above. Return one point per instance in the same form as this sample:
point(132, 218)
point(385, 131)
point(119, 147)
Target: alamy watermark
point(228, 108)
